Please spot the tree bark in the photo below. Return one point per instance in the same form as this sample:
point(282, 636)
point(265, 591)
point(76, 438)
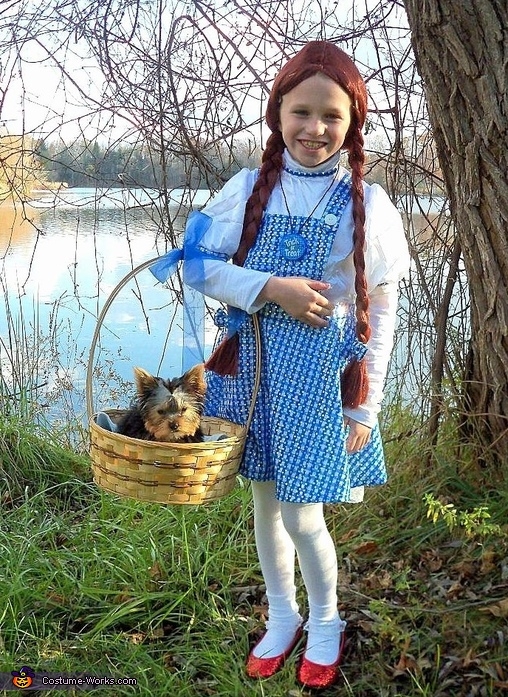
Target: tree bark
point(461, 49)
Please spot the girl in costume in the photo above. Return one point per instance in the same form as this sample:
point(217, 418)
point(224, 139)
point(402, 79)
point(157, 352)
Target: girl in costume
point(318, 254)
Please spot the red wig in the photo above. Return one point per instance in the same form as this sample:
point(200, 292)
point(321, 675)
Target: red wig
point(320, 57)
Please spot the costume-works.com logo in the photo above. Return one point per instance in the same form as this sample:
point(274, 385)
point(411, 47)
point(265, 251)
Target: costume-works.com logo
point(23, 678)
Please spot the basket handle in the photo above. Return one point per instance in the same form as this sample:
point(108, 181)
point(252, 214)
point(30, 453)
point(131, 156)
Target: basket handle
point(257, 374)
point(100, 321)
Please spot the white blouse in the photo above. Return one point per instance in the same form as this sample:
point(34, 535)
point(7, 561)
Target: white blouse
point(386, 257)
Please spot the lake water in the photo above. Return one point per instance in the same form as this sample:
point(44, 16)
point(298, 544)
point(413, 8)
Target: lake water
point(60, 259)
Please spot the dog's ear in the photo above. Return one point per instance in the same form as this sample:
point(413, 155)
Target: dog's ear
point(194, 379)
point(145, 382)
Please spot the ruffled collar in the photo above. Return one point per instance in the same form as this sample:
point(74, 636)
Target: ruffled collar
point(325, 169)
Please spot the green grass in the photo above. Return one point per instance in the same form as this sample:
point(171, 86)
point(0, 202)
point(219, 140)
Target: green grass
point(173, 597)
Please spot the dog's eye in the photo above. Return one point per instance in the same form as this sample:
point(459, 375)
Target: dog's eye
point(160, 412)
point(183, 410)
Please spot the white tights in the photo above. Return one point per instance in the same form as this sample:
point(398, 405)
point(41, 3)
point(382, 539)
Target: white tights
point(281, 529)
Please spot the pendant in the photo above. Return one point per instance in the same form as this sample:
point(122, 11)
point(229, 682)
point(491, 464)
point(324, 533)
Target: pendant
point(292, 247)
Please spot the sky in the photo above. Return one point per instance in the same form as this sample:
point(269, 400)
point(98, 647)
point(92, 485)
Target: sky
point(41, 101)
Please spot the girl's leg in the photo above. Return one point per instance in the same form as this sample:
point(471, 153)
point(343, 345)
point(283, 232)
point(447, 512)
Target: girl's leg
point(276, 554)
point(306, 526)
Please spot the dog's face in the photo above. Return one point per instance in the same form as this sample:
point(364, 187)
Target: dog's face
point(171, 409)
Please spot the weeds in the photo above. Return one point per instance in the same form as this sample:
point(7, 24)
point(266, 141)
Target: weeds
point(172, 596)
point(475, 523)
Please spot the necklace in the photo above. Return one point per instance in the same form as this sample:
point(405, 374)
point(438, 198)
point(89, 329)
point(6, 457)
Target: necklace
point(293, 246)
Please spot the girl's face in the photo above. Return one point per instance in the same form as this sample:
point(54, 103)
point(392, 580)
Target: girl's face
point(314, 119)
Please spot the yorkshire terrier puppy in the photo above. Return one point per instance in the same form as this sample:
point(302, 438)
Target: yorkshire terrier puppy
point(166, 410)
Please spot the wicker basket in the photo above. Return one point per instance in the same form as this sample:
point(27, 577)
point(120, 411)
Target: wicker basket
point(166, 473)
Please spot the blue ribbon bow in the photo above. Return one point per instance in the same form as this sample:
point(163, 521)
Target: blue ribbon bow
point(231, 320)
point(193, 301)
point(197, 224)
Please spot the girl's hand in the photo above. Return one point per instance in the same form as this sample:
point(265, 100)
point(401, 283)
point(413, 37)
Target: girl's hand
point(358, 436)
point(300, 297)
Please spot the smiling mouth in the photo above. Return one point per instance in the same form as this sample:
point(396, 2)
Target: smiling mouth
point(312, 144)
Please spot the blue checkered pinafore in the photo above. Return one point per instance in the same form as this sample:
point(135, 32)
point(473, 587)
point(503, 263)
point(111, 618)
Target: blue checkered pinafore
point(297, 436)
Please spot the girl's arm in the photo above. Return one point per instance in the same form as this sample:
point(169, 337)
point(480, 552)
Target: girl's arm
point(383, 313)
point(358, 435)
point(230, 284)
point(220, 224)
point(386, 261)
point(299, 297)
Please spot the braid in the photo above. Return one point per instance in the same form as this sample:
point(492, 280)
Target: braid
point(355, 379)
point(224, 360)
point(356, 162)
point(256, 204)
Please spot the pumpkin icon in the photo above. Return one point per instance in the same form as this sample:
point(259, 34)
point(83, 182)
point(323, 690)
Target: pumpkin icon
point(22, 678)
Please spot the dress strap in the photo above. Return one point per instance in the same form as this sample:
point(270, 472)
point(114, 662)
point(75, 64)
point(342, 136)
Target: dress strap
point(338, 201)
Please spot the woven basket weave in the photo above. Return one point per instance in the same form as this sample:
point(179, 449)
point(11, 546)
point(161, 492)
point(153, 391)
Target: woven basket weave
point(166, 473)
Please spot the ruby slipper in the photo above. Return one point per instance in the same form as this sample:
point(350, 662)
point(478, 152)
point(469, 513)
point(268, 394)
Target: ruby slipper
point(266, 667)
point(317, 676)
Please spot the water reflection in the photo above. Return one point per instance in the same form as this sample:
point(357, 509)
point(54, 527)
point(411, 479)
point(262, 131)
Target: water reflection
point(17, 228)
point(59, 265)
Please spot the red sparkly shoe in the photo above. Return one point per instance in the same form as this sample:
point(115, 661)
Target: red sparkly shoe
point(266, 667)
point(317, 676)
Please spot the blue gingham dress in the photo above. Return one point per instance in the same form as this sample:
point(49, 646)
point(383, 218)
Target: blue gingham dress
point(297, 437)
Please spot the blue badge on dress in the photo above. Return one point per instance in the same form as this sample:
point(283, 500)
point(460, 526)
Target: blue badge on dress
point(292, 247)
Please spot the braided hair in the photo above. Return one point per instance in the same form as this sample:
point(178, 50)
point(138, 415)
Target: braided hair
point(316, 57)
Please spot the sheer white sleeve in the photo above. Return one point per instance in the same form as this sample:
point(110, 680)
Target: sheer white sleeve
point(214, 276)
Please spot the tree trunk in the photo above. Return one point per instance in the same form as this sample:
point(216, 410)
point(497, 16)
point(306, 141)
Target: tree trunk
point(461, 49)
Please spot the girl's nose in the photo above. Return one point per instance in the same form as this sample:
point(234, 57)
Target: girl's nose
point(315, 127)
